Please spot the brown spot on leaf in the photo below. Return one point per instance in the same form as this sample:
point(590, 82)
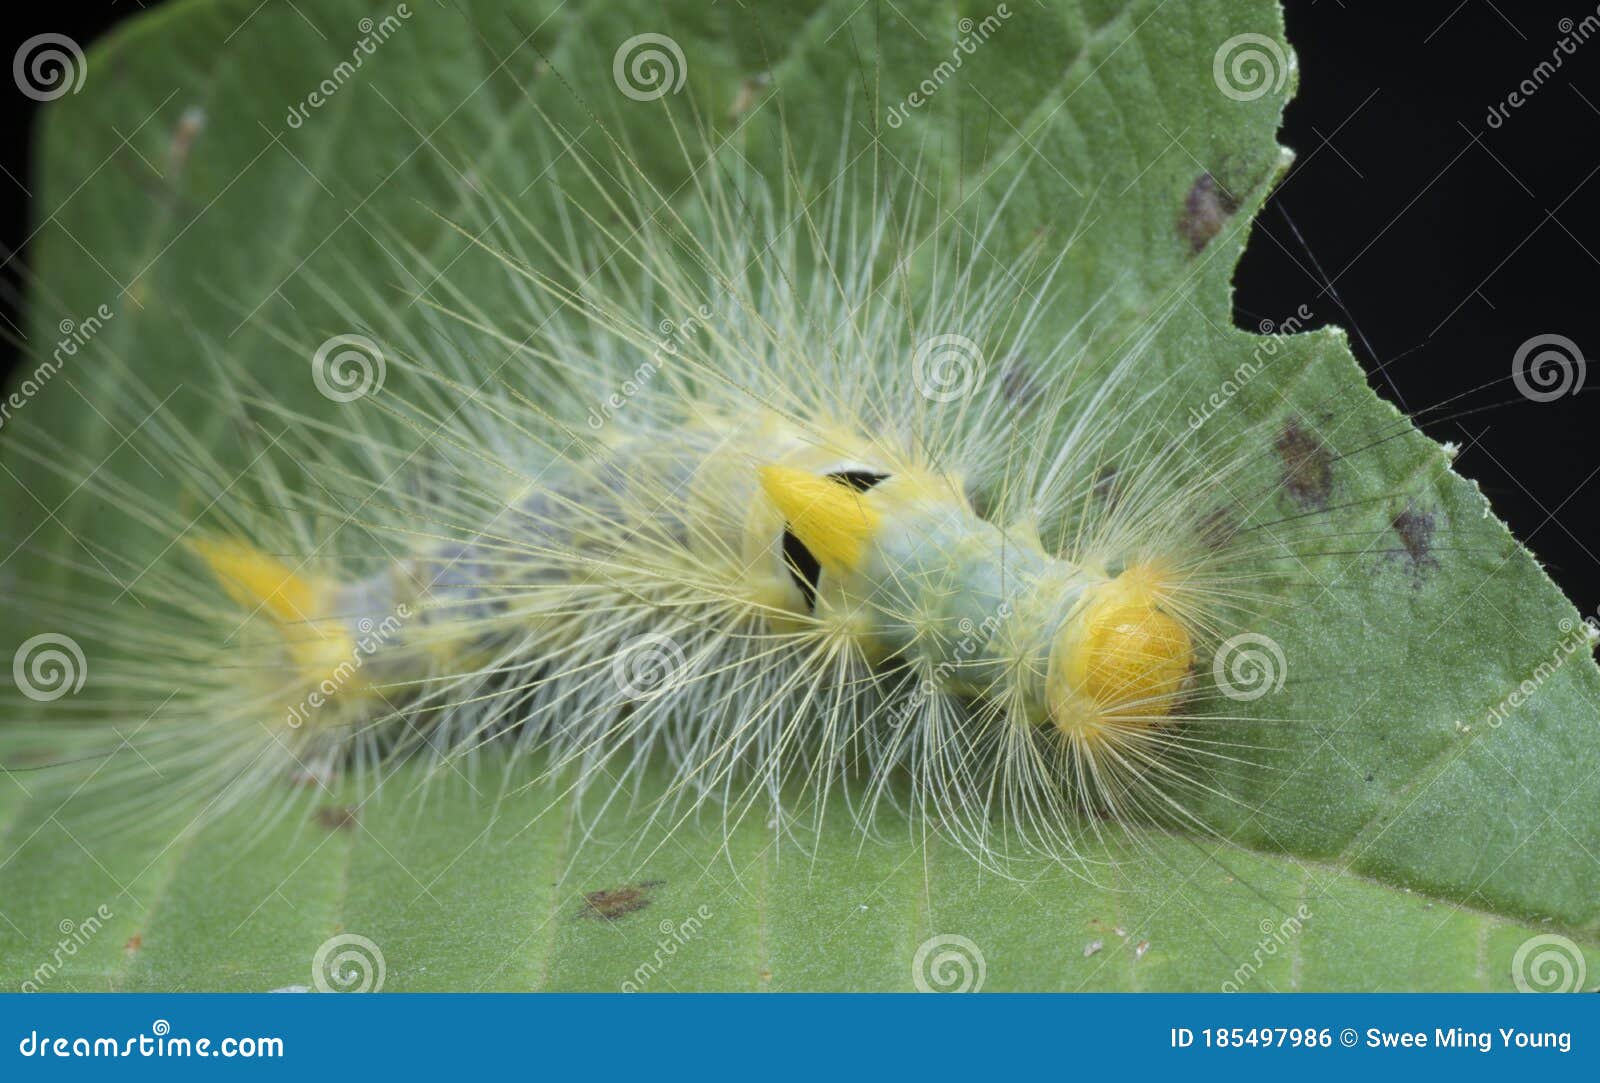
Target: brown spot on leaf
point(1106, 489)
point(617, 902)
point(1415, 528)
point(1217, 528)
point(749, 90)
point(1307, 465)
point(337, 817)
point(135, 942)
point(1019, 384)
point(1206, 209)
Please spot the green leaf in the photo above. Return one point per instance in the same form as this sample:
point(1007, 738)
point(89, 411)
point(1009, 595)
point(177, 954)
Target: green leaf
point(1404, 837)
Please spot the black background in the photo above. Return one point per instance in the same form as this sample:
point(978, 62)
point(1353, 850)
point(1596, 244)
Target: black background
point(1447, 243)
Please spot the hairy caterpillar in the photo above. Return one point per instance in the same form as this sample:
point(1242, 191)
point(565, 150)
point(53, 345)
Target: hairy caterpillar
point(765, 488)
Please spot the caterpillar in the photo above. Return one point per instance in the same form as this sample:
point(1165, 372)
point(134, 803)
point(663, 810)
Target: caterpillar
point(768, 488)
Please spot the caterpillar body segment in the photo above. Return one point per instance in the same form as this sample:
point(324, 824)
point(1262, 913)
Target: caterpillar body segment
point(789, 561)
point(908, 567)
point(989, 611)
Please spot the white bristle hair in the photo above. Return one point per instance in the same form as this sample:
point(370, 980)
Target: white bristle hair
point(541, 478)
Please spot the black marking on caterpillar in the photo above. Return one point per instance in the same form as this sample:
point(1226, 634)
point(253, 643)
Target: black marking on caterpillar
point(859, 480)
point(804, 568)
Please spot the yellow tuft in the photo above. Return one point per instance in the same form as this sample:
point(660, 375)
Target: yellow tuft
point(252, 578)
point(829, 517)
point(297, 603)
point(1135, 652)
point(1120, 659)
